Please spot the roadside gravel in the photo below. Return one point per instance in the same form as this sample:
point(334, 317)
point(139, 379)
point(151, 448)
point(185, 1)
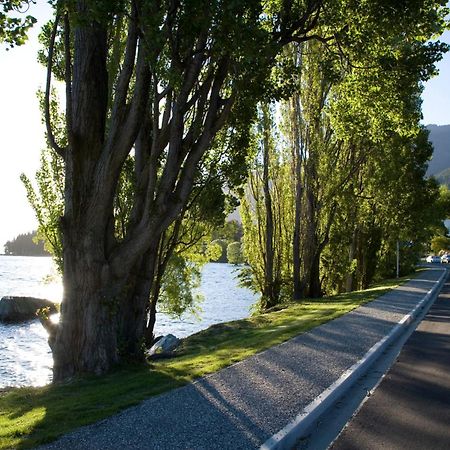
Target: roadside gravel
point(242, 406)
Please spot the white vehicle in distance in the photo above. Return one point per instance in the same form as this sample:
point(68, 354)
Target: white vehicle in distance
point(445, 258)
point(433, 259)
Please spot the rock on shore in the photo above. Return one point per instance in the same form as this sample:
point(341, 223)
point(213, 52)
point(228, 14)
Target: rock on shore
point(164, 347)
point(20, 309)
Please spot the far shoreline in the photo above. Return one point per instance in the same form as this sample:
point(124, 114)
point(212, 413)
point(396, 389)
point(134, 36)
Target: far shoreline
point(27, 256)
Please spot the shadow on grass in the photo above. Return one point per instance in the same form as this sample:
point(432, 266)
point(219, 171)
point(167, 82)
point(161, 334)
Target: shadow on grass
point(40, 415)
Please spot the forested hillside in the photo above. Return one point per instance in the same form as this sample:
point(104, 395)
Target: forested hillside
point(440, 163)
point(24, 245)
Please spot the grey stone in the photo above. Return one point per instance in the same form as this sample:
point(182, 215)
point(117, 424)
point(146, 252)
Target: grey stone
point(164, 347)
point(20, 309)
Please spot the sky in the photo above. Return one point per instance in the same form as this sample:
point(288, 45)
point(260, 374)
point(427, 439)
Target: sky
point(22, 132)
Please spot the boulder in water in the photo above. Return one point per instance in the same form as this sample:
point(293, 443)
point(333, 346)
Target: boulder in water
point(20, 309)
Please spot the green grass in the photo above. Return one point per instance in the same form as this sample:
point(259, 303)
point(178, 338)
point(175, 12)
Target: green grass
point(32, 416)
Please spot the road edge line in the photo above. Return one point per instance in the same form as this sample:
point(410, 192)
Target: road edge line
point(287, 437)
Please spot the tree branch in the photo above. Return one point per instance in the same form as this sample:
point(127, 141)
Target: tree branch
point(169, 202)
point(119, 106)
point(51, 137)
point(68, 79)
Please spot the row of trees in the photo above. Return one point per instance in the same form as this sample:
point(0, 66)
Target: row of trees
point(160, 102)
point(227, 238)
point(338, 176)
point(229, 252)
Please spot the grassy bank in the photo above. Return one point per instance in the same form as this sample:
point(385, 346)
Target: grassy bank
point(30, 416)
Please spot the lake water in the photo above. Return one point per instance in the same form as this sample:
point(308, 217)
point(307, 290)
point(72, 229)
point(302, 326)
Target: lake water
point(25, 358)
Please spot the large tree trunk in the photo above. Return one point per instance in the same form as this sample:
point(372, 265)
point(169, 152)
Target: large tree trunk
point(319, 244)
point(133, 317)
point(310, 237)
point(313, 248)
point(315, 286)
point(86, 337)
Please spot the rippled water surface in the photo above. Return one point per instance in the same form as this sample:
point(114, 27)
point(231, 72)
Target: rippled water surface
point(25, 357)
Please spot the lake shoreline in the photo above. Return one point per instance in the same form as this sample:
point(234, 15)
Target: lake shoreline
point(25, 358)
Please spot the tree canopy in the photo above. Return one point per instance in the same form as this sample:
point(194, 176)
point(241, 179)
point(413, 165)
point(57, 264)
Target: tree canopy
point(348, 181)
point(161, 98)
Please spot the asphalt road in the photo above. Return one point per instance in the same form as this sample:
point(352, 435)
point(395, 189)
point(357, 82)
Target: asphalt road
point(411, 407)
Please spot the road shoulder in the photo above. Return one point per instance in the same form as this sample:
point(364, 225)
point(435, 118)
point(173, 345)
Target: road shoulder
point(411, 407)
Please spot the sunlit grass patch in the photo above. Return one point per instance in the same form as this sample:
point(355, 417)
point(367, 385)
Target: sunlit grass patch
point(31, 416)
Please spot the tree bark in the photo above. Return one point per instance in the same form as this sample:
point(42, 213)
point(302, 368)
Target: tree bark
point(315, 286)
point(133, 318)
point(350, 278)
point(85, 341)
point(298, 158)
point(269, 294)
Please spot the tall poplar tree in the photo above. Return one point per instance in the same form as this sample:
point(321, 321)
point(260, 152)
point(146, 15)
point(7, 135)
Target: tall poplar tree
point(266, 212)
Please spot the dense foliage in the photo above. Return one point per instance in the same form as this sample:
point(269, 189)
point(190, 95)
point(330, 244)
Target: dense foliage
point(14, 23)
point(234, 253)
point(328, 203)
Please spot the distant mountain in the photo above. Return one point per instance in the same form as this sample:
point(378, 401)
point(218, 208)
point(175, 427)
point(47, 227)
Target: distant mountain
point(440, 138)
point(444, 177)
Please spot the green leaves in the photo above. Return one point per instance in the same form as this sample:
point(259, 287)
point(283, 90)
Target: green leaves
point(47, 200)
point(14, 24)
point(234, 253)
